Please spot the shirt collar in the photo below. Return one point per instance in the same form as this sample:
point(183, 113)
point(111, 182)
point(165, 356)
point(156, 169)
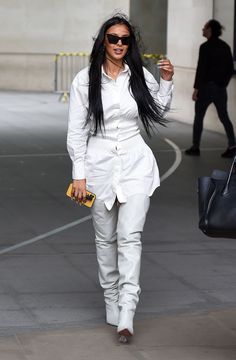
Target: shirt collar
point(126, 69)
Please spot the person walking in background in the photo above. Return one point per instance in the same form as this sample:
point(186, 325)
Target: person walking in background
point(111, 159)
point(214, 71)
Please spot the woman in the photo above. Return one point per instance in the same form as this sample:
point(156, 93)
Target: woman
point(111, 159)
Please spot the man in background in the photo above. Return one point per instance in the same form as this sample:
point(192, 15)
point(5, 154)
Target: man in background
point(214, 71)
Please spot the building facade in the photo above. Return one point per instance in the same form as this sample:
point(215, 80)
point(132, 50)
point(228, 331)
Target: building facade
point(32, 32)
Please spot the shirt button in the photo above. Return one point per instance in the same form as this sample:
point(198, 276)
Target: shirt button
point(116, 147)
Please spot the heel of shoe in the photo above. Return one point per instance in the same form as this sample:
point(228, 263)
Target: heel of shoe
point(126, 322)
point(124, 336)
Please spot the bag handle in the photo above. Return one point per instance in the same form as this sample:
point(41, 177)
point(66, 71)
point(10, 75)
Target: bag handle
point(226, 188)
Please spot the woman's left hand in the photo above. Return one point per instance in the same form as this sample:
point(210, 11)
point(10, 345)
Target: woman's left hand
point(166, 69)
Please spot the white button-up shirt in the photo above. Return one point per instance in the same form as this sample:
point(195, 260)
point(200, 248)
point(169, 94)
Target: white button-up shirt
point(117, 163)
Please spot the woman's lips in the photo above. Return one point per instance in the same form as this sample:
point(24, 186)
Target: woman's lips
point(118, 51)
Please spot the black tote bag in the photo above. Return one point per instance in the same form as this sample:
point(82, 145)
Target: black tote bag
point(217, 203)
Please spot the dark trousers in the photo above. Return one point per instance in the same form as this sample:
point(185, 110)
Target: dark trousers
point(217, 95)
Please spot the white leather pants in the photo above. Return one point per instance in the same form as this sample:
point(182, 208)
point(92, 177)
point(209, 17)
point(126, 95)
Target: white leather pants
point(118, 245)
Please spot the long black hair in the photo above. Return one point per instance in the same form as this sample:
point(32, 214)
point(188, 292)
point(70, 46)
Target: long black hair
point(149, 110)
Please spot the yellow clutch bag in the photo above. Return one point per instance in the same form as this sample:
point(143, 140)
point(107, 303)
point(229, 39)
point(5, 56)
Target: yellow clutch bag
point(90, 197)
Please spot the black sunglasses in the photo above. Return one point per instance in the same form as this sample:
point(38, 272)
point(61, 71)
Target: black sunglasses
point(113, 39)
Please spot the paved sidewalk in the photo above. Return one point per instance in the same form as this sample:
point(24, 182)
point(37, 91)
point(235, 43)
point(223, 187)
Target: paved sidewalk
point(51, 305)
point(209, 336)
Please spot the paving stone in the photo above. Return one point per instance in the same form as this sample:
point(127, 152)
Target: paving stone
point(16, 318)
point(100, 343)
point(188, 353)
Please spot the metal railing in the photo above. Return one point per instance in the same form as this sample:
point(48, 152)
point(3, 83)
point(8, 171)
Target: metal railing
point(68, 64)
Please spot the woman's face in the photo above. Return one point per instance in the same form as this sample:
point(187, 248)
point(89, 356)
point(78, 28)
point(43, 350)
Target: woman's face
point(116, 48)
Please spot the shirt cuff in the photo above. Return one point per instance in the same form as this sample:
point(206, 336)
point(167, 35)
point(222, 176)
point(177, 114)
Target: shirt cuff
point(165, 87)
point(78, 171)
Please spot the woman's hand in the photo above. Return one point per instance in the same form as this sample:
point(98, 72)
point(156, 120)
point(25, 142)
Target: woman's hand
point(79, 190)
point(166, 69)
